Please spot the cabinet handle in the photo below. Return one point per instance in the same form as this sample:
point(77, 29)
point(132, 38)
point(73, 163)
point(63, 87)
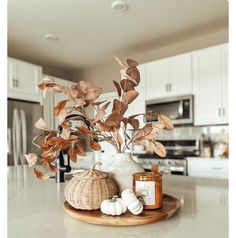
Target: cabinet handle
point(219, 112)
point(223, 111)
point(217, 168)
point(170, 87)
point(166, 87)
point(15, 83)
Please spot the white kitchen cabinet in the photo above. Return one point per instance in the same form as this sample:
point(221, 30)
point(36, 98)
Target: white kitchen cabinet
point(207, 167)
point(210, 86)
point(23, 79)
point(169, 77)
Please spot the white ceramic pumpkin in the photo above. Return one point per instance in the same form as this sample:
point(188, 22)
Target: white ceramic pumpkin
point(114, 206)
point(134, 205)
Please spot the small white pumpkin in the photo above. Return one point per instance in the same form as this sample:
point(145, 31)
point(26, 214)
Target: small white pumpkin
point(114, 206)
point(134, 205)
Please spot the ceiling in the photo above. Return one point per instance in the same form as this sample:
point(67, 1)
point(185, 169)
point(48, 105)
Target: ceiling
point(89, 32)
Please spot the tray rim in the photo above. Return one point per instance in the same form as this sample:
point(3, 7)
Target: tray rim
point(139, 220)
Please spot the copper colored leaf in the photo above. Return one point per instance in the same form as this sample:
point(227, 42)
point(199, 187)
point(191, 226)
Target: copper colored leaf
point(64, 113)
point(156, 129)
point(133, 72)
point(113, 120)
point(95, 145)
point(100, 114)
point(100, 126)
point(85, 131)
point(40, 124)
point(104, 107)
point(40, 175)
point(158, 148)
point(31, 159)
point(130, 96)
point(131, 62)
point(125, 75)
point(80, 149)
point(80, 102)
point(59, 107)
point(98, 103)
point(168, 125)
point(134, 123)
point(118, 89)
point(146, 130)
point(118, 137)
point(72, 153)
point(126, 85)
point(65, 134)
point(52, 167)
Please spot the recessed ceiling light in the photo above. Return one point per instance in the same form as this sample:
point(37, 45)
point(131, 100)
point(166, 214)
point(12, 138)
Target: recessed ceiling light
point(119, 6)
point(51, 37)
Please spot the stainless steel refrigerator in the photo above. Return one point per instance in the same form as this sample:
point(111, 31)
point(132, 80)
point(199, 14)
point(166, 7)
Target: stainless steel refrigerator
point(21, 130)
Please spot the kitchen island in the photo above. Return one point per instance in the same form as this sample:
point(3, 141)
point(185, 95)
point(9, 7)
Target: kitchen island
point(35, 210)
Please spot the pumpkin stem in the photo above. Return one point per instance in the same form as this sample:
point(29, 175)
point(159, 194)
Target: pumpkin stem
point(94, 164)
point(114, 198)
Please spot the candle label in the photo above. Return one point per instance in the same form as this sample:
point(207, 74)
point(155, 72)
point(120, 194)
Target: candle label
point(147, 191)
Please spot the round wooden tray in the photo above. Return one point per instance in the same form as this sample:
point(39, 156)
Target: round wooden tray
point(170, 206)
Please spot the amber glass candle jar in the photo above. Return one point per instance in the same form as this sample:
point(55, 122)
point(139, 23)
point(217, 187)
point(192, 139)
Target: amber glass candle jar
point(148, 185)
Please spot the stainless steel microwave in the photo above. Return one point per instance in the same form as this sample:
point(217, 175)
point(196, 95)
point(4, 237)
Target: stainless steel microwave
point(178, 109)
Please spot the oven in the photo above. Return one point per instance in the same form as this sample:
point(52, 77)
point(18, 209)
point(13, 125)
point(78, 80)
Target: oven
point(175, 161)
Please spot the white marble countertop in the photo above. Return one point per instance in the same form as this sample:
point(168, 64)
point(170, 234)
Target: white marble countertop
point(35, 210)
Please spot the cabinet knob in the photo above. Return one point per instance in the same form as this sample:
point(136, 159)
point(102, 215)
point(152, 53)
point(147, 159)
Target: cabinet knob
point(170, 87)
point(219, 112)
point(166, 87)
point(15, 83)
point(223, 111)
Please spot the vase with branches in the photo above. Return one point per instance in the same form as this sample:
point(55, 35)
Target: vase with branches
point(109, 127)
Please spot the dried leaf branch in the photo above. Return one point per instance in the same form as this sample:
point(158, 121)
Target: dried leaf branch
point(110, 127)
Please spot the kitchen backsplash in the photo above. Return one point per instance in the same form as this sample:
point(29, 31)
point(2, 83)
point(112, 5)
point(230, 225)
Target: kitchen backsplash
point(192, 132)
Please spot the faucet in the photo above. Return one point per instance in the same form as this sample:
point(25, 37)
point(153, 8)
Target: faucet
point(60, 162)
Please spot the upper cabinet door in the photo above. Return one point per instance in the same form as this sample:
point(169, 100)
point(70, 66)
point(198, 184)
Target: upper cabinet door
point(180, 75)
point(157, 73)
point(225, 84)
point(23, 79)
point(207, 81)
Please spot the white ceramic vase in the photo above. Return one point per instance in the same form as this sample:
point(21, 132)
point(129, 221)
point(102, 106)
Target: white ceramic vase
point(122, 170)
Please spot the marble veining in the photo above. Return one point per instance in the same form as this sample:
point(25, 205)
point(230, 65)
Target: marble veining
point(35, 210)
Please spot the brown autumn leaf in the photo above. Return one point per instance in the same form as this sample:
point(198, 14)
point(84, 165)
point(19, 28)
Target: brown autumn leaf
point(133, 72)
point(65, 134)
point(156, 130)
point(130, 96)
point(127, 85)
point(52, 167)
point(168, 125)
point(158, 148)
point(134, 123)
point(104, 107)
point(98, 103)
point(85, 131)
point(100, 114)
point(40, 124)
point(95, 145)
point(80, 102)
point(64, 113)
point(43, 161)
point(80, 150)
point(146, 130)
point(40, 175)
point(131, 62)
point(126, 76)
point(101, 126)
point(117, 106)
point(59, 107)
point(114, 120)
point(118, 89)
point(118, 137)
point(31, 159)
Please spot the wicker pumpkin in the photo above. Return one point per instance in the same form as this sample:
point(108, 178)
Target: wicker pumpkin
point(87, 189)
